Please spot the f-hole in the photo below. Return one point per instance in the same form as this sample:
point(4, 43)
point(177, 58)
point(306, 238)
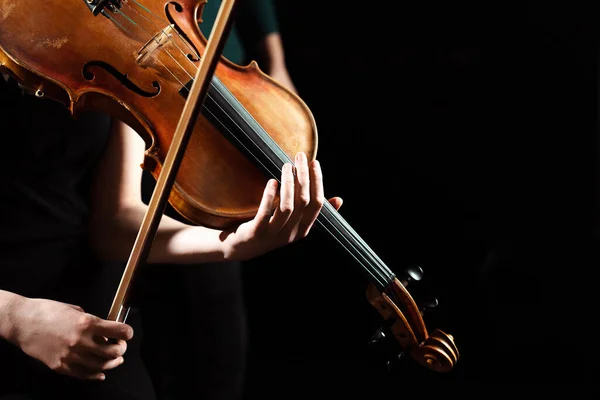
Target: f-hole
point(89, 75)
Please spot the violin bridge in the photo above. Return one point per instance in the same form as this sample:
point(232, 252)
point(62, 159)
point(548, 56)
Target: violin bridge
point(163, 37)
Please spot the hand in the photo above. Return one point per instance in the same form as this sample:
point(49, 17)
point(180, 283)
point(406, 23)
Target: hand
point(68, 340)
point(301, 198)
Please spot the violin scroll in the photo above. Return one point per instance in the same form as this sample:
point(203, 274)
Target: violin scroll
point(404, 321)
point(438, 352)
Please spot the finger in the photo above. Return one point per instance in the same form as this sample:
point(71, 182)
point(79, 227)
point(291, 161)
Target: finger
point(336, 202)
point(300, 219)
point(92, 363)
point(105, 349)
point(286, 198)
point(265, 209)
point(80, 372)
point(112, 329)
point(302, 191)
point(317, 199)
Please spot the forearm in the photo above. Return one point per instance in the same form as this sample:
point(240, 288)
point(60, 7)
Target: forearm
point(117, 211)
point(8, 301)
point(272, 59)
point(271, 49)
point(174, 241)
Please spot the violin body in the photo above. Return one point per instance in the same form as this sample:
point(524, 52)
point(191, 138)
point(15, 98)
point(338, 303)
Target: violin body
point(135, 64)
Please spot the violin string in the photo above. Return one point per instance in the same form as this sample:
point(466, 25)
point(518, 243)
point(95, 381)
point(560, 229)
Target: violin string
point(145, 9)
point(370, 257)
point(156, 40)
point(163, 21)
point(379, 268)
point(116, 22)
point(164, 66)
point(352, 249)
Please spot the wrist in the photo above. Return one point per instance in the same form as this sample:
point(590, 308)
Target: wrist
point(9, 305)
point(227, 246)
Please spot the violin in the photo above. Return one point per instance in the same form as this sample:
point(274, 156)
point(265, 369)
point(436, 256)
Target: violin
point(137, 60)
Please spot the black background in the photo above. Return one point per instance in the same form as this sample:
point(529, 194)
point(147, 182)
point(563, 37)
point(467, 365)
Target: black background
point(462, 137)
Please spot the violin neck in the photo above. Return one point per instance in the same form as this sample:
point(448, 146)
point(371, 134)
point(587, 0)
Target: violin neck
point(373, 268)
point(226, 113)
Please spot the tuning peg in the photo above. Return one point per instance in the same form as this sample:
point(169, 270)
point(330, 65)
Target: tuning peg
point(382, 342)
point(382, 345)
point(393, 363)
point(428, 305)
point(382, 334)
point(378, 337)
point(412, 273)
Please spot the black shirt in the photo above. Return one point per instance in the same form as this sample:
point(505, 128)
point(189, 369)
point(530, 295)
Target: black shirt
point(49, 158)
